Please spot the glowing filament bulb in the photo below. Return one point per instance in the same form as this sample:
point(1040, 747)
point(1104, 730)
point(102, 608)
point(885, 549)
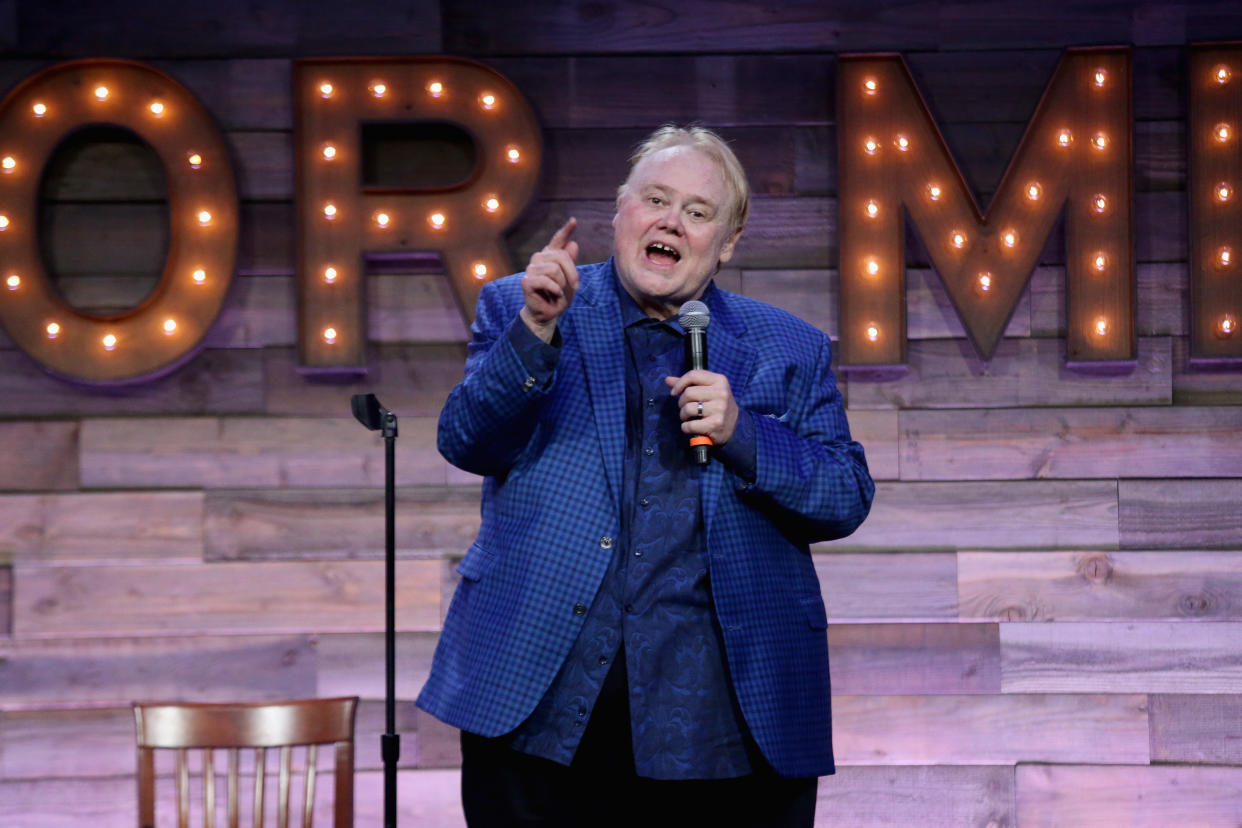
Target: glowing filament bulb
point(985, 281)
point(379, 89)
point(13, 282)
point(1100, 262)
point(492, 204)
point(873, 267)
point(1224, 257)
point(873, 332)
point(487, 100)
point(326, 90)
point(1101, 326)
point(480, 270)
point(199, 276)
point(39, 109)
point(933, 192)
point(109, 342)
point(1223, 192)
point(204, 218)
point(170, 326)
point(902, 143)
point(1034, 191)
point(1099, 203)
point(435, 89)
point(1227, 325)
point(8, 163)
point(194, 160)
point(1100, 77)
point(329, 211)
point(1100, 141)
point(1221, 74)
point(157, 108)
point(437, 221)
point(101, 93)
point(958, 239)
point(329, 275)
point(329, 152)
point(871, 146)
point(1010, 238)
point(382, 219)
point(329, 335)
point(872, 209)
point(1222, 132)
point(513, 154)
point(4, 222)
point(53, 330)
point(1065, 138)
point(870, 86)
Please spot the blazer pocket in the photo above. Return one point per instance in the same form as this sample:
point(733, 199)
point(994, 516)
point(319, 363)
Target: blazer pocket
point(816, 615)
point(475, 563)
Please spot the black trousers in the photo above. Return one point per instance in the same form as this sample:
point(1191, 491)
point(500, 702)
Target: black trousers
point(504, 788)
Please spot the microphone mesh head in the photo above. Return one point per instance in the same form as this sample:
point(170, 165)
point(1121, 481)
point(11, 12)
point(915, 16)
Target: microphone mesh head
point(694, 314)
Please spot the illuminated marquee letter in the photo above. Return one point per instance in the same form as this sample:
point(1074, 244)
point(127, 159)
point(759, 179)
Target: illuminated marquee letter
point(1077, 149)
point(1215, 205)
point(202, 201)
point(339, 221)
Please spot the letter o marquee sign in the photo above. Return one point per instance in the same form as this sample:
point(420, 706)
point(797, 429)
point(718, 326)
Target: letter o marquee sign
point(166, 329)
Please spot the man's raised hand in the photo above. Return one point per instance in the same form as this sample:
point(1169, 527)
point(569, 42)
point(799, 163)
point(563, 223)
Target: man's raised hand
point(550, 281)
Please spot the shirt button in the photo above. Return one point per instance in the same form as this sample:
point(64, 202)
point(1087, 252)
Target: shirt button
point(579, 609)
point(644, 502)
point(651, 402)
point(648, 451)
point(605, 542)
point(529, 384)
point(603, 660)
point(638, 553)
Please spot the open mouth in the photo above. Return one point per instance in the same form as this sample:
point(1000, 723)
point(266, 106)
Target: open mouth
point(662, 252)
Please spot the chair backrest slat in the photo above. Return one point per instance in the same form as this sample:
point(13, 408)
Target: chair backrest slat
point(308, 802)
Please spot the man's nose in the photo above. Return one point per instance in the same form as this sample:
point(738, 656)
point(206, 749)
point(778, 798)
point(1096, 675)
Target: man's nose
point(670, 219)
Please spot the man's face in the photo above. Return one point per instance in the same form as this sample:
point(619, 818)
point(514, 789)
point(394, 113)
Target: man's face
point(671, 229)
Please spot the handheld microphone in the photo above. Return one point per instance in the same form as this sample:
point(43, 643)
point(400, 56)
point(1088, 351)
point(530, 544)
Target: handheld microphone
point(694, 317)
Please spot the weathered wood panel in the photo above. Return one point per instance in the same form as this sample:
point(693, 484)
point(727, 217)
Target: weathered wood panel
point(21, 525)
point(116, 671)
point(927, 796)
point(1179, 514)
point(877, 432)
point(415, 308)
point(6, 600)
point(269, 452)
point(38, 744)
point(1067, 586)
point(347, 523)
point(1138, 657)
point(352, 664)
point(914, 585)
point(1018, 514)
point(57, 803)
point(121, 527)
point(889, 659)
point(1206, 385)
point(1160, 304)
point(946, 373)
point(1142, 797)
point(1198, 729)
point(38, 455)
point(989, 730)
point(1009, 444)
point(227, 597)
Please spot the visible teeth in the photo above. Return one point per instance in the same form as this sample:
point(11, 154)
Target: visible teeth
point(664, 248)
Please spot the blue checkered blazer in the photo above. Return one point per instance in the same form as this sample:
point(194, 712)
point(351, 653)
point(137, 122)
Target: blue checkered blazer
point(552, 459)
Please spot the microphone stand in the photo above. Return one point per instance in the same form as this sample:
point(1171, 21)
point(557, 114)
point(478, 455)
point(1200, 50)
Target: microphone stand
point(375, 417)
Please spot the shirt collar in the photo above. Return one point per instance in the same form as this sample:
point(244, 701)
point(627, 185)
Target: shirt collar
point(632, 314)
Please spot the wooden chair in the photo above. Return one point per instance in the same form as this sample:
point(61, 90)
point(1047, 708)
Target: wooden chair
point(254, 728)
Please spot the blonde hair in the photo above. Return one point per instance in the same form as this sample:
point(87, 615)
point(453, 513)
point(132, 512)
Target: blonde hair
point(714, 147)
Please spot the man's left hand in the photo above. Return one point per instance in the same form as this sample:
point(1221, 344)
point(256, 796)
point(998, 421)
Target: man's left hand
point(707, 404)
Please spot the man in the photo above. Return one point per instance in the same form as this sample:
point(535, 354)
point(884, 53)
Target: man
point(637, 639)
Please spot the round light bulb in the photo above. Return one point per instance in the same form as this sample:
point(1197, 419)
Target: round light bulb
point(326, 90)
point(199, 276)
point(204, 217)
point(873, 267)
point(8, 163)
point(157, 108)
point(933, 192)
point(109, 342)
point(958, 239)
point(101, 93)
point(870, 86)
point(1100, 262)
point(1223, 192)
point(480, 270)
point(985, 281)
point(1101, 326)
point(13, 282)
point(1224, 257)
point(1034, 191)
point(379, 89)
point(871, 146)
point(53, 330)
point(492, 204)
point(329, 335)
point(39, 109)
point(329, 152)
point(1100, 77)
point(329, 211)
point(1010, 238)
point(435, 89)
point(1065, 138)
point(1221, 73)
point(170, 326)
point(1100, 141)
point(382, 219)
point(487, 100)
point(437, 220)
point(329, 275)
point(873, 332)
point(902, 142)
point(1227, 325)
point(872, 209)
point(513, 154)
point(1223, 132)
point(4, 222)
point(194, 160)
point(1099, 203)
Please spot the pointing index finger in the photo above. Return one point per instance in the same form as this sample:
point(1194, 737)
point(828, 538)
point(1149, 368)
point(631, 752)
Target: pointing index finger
point(561, 237)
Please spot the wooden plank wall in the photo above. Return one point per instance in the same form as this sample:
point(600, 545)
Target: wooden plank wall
point(1038, 625)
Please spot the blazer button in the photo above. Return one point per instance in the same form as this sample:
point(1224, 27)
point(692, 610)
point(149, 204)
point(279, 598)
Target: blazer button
point(605, 542)
point(579, 609)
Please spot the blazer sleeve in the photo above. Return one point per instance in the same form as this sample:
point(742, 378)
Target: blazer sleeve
point(811, 478)
point(490, 416)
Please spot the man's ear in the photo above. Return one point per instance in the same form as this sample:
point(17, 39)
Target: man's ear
point(726, 252)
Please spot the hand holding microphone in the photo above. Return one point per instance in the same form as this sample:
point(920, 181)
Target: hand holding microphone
point(708, 410)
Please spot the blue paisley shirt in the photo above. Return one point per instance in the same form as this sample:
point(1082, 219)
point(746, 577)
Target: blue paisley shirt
point(654, 607)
